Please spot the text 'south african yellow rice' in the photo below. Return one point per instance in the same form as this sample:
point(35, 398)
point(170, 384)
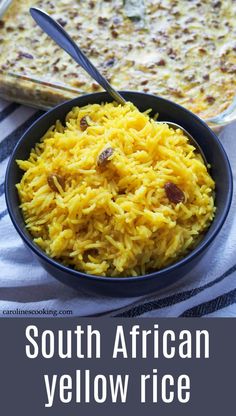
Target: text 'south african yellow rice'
point(113, 193)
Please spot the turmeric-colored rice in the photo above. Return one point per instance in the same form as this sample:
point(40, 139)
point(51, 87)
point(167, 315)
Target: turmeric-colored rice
point(115, 219)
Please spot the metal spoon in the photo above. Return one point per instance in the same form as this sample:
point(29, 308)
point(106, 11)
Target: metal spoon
point(61, 37)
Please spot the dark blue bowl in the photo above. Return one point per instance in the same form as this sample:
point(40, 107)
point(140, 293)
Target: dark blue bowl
point(127, 286)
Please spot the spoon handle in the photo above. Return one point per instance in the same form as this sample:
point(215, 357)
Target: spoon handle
point(61, 37)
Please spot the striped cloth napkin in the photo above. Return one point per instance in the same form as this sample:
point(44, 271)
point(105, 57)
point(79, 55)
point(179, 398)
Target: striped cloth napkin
point(26, 289)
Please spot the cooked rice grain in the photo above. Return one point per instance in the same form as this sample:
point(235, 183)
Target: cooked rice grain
point(116, 219)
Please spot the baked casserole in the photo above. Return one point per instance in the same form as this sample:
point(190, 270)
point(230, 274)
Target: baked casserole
point(182, 50)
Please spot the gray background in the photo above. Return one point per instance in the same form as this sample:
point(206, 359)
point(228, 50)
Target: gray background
point(22, 388)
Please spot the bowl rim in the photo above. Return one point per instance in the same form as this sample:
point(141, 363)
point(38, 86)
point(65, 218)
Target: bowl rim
point(205, 242)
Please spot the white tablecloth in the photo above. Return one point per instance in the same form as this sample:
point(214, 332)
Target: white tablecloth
point(26, 289)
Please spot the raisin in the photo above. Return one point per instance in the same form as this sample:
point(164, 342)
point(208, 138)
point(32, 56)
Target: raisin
point(2, 24)
point(232, 70)
point(73, 74)
point(56, 61)
point(62, 22)
point(110, 62)
point(206, 77)
point(176, 13)
point(177, 93)
point(103, 158)
point(210, 99)
point(102, 20)
point(91, 4)
point(94, 52)
point(174, 193)
point(84, 123)
point(217, 4)
point(51, 181)
point(223, 68)
point(144, 82)
point(95, 86)
point(114, 33)
point(161, 62)
point(170, 51)
point(25, 55)
point(89, 252)
point(190, 39)
point(202, 50)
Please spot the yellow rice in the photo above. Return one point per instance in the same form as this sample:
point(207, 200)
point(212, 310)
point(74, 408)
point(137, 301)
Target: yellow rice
point(115, 220)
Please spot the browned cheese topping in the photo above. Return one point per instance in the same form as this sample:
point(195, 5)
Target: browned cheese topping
point(181, 50)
